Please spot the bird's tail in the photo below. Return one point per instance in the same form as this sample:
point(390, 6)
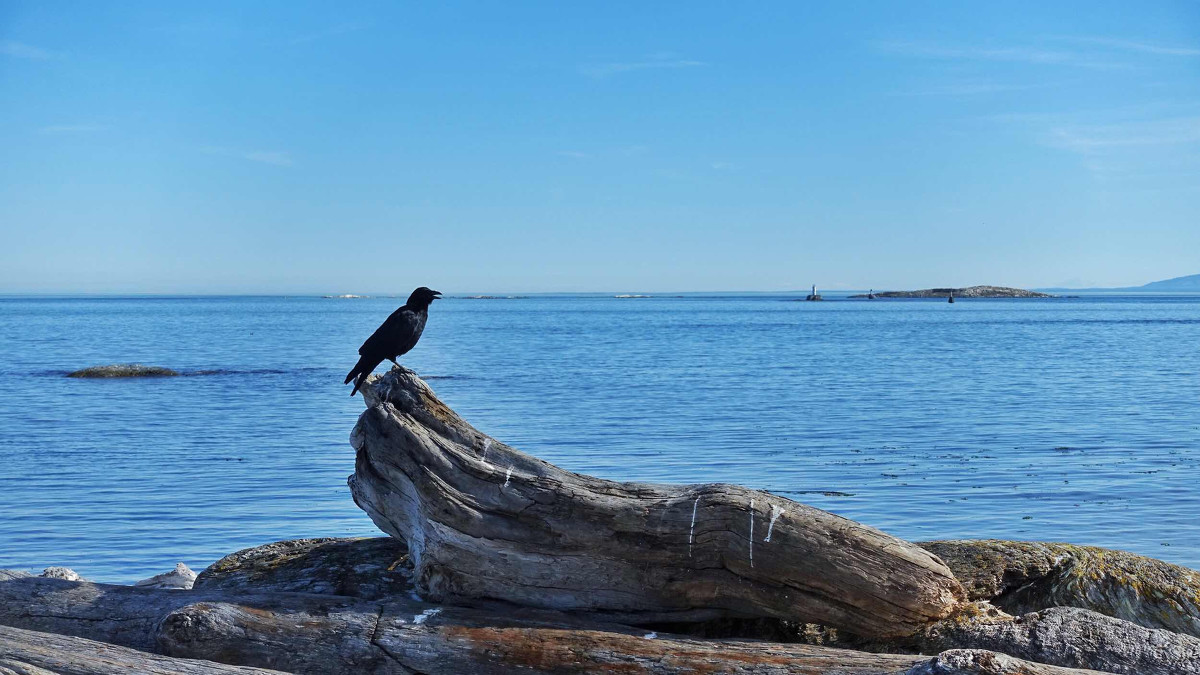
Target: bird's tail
point(359, 373)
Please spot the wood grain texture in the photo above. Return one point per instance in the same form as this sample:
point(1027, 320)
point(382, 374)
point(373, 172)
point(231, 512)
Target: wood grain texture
point(27, 652)
point(483, 520)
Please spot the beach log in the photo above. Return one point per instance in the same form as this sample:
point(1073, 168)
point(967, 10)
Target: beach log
point(483, 520)
point(129, 615)
point(330, 634)
point(27, 652)
point(501, 639)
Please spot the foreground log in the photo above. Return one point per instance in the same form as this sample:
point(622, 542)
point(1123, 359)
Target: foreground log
point(1021, 577)
point(498, 640)
point(334, 635)
point(27, 652)
point(484, 521)
point(129, 615)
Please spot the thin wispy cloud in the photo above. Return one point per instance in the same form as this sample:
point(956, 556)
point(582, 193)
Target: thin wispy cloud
point(574, 154)
point(1015, 54)
point(333, 31)
point(1095, 138)
point(970, 89)
point(71, 128)
point(664, 61)
point(21, 50)
point(272, 157)
point(1135, 46)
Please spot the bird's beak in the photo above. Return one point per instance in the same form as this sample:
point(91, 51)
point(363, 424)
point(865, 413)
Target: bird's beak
point(437, 294)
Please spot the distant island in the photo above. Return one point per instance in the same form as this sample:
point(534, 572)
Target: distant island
point(968, 292)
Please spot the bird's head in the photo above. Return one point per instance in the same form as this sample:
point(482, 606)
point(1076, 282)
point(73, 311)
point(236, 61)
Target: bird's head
point(423, 297)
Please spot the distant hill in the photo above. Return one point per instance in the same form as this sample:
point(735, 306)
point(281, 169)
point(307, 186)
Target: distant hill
point(1188, 283)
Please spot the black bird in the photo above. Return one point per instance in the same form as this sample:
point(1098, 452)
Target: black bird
point(396, 336)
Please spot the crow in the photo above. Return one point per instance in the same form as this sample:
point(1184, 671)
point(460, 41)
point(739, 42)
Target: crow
point(396, 336)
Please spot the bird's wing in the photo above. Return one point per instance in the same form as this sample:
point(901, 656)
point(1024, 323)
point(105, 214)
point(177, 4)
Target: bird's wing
point(392, 336)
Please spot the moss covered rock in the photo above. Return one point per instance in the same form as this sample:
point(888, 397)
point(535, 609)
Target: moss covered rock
point(370, 568)
point(1022, 577)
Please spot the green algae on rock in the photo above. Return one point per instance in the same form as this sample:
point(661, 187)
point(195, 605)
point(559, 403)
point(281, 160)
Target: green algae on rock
point(370, 568)
point(1021, 577)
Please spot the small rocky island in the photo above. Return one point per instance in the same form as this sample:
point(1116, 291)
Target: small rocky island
point(968, 292)
point(498, 562)
point(123, 370)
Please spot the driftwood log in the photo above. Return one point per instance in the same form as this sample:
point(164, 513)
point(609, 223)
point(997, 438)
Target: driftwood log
point(335, 635)
point(483, 520)
point(490, 641)
point(27, 652)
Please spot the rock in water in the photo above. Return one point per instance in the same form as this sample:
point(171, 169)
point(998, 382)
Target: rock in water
point(124, 370)
point(180, 578)
point(483, 520)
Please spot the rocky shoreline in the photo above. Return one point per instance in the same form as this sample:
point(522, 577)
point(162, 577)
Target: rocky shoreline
point(498, 562)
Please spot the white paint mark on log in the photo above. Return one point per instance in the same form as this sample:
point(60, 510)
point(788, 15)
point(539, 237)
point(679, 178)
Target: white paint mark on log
point(487, 445)
point(423, 616)
point(775, 513)
point(752, 533)
point(507, 477)
point(650, 636)
point(692, 529)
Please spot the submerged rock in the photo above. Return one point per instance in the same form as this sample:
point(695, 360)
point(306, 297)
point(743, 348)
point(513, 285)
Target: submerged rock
point(180, 578)
point(124, 370)
point(371, 568)
point(1021, 577)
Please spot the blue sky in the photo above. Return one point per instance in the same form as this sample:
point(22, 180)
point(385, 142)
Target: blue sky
point(287, 147)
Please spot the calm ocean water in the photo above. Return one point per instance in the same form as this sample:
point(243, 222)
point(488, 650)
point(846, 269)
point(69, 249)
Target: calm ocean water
point(1068, 419)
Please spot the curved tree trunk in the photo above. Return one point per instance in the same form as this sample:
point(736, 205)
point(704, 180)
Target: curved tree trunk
point(483, 520)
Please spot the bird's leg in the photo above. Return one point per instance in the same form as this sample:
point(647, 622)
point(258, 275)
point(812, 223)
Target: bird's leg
point(393, 360)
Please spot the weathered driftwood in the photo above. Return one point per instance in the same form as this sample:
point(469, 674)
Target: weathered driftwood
point(27, 652)
point(1021, 577)
point(127, 615)
point(484, 521)
point(1070, 637)
point(334, 635)
point(370, 568)
point(497, 640)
